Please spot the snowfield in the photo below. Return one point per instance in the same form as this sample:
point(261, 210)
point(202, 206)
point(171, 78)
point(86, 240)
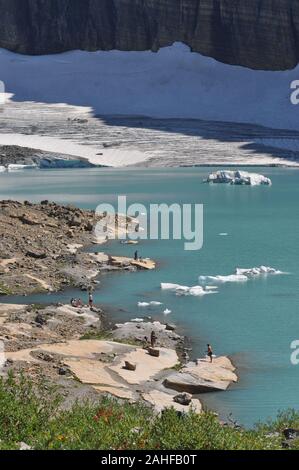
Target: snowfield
point(171, 83)
point(42, 91)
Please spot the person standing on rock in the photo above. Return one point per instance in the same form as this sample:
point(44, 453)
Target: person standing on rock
point(153, 339)
point(90, 300)
point(136, 256)
point(210, 352)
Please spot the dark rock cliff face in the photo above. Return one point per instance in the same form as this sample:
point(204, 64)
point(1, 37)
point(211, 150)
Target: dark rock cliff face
point(261, 34)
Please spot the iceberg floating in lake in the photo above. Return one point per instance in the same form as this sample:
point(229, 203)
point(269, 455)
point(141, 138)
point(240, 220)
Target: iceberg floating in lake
point(17, 167)
point(241, 275)
point(238, 178)
point(224, 279)
point(167, 312)
point(149, 304)
point(195, 291)
point(262, 270)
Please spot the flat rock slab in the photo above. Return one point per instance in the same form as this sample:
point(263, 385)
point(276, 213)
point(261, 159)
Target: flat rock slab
point(83, 312)
point(147, 264)
point(162, 400)
point(221, 369)
point(118, 392)
point(90, 371)
point(85, 349)
point(96, 373)
point(203, 377)
point(146, 366)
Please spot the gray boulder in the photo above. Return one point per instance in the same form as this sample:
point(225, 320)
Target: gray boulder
point(183, 399)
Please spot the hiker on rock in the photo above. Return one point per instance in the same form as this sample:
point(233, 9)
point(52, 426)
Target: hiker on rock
point(210, 352)
point(153, 339)
point(90, 300)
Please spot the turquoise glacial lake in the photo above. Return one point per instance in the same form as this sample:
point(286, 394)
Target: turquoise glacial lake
point(253, 322)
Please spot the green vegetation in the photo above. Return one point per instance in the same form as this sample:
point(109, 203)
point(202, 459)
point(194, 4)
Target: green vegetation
point(97, 335)
point(107, 336)
point(32, 414)
point(36, 307)
point(4, 290)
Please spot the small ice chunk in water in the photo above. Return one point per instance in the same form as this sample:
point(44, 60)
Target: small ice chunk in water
point(196, 291)
point(224, 279)
point(241, 275)
point(149, 304)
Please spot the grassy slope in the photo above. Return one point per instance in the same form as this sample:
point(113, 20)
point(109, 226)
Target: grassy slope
point(32, 415)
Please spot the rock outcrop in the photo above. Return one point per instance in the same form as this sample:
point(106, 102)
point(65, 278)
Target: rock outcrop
point(261, 34)
point(61, 343)
point(40, 247)
point(203, 376)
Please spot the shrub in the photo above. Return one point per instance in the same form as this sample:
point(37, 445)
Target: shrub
point(31, 413)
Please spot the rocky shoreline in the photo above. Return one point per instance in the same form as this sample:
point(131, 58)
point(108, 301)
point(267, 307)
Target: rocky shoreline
point(74, 347)
point(42, 248)
point(71, 348)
